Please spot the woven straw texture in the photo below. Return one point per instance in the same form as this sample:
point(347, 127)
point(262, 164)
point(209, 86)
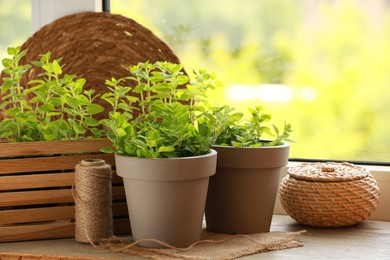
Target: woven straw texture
point(96, 46)
point(311, 194)
point(212, 246)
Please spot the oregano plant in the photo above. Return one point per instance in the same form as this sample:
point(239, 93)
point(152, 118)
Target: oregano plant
point(232, 130)
point(54, 106)
point(163, 115)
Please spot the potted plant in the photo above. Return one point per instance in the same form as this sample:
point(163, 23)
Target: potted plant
point(54, 107)
point(242, 193)
point(46, 129)
point(162, 141)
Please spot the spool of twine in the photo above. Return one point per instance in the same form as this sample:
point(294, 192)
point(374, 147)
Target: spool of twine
point(93, 197)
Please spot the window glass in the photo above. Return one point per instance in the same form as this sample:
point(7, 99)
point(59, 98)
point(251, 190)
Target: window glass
point(322, 66)
point(15, 24)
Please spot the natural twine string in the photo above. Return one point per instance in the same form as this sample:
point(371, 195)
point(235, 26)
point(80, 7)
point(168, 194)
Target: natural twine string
point(168, 246)
point(93, 198)
point(212, 246)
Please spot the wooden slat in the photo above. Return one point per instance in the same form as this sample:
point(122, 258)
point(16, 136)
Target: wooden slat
point(56, 229)
point(116, 179)
point(35, 197)
point(50, 213)
point(118, 193)
point(40, 197)
point(119, 209)
point(121, 227)
point(34, 181)
point(52, 147)
point(36, 214)
point(48, 163)
point(35, 232)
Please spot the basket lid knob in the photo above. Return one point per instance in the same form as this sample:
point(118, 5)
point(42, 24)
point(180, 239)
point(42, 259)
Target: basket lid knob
point(327, 169)
point(328, 172)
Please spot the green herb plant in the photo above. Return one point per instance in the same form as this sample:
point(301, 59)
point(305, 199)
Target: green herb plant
point(163, 116)
point(53, 107)
point(232, 130)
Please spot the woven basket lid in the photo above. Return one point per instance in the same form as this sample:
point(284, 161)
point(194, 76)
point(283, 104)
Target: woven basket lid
point(96, 46)
point(328, 172)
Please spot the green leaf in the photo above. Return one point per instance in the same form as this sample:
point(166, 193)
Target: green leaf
point(50, 114)
point(203, 129)
point(91, 121)
point(121, 132)
point(184, 95)
point(12, 112)
point(97, 133)
point(47, 68)
point(162, 87)
point(235, 117)
point(166, 149)
point(107, 150)
point(265, 117)
point(6, 86)
point(83, 100)
point(151, 143)
point(139, 88)
point(79, 129)
point(57, 68)
point(182, 79)
point(276, 129)
point(79, 84)
point(158, 105)
point(47, 107)
point(4, 104)
point(93, 109)
point(7, 63)
point(72, 102)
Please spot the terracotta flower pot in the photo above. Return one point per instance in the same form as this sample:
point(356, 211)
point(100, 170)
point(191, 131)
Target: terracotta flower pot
point(166, 197)
point(242, 193)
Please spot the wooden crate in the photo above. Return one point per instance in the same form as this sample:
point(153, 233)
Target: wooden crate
point(36, 180)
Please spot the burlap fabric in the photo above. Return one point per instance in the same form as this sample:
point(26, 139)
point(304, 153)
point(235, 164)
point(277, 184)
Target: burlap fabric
point(212, 246)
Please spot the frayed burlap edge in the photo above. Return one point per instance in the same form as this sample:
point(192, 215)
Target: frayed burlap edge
point(211, 246)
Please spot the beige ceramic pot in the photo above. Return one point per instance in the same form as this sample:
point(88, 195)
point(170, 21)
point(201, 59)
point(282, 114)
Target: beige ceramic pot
point(166, 197)
point(243, 191)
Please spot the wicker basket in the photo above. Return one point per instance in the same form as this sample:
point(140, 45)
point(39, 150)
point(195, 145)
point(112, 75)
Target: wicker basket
point(329, 194)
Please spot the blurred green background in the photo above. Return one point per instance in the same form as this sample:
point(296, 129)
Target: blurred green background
point(323, 66)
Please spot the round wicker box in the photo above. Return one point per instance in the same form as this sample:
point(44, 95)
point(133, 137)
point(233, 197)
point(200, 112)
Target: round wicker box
point(329, 194)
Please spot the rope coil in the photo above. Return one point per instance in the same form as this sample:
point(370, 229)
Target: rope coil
point(93, 197)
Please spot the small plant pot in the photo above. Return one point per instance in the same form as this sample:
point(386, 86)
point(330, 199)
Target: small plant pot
point(243, 191)
point(166, 197)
